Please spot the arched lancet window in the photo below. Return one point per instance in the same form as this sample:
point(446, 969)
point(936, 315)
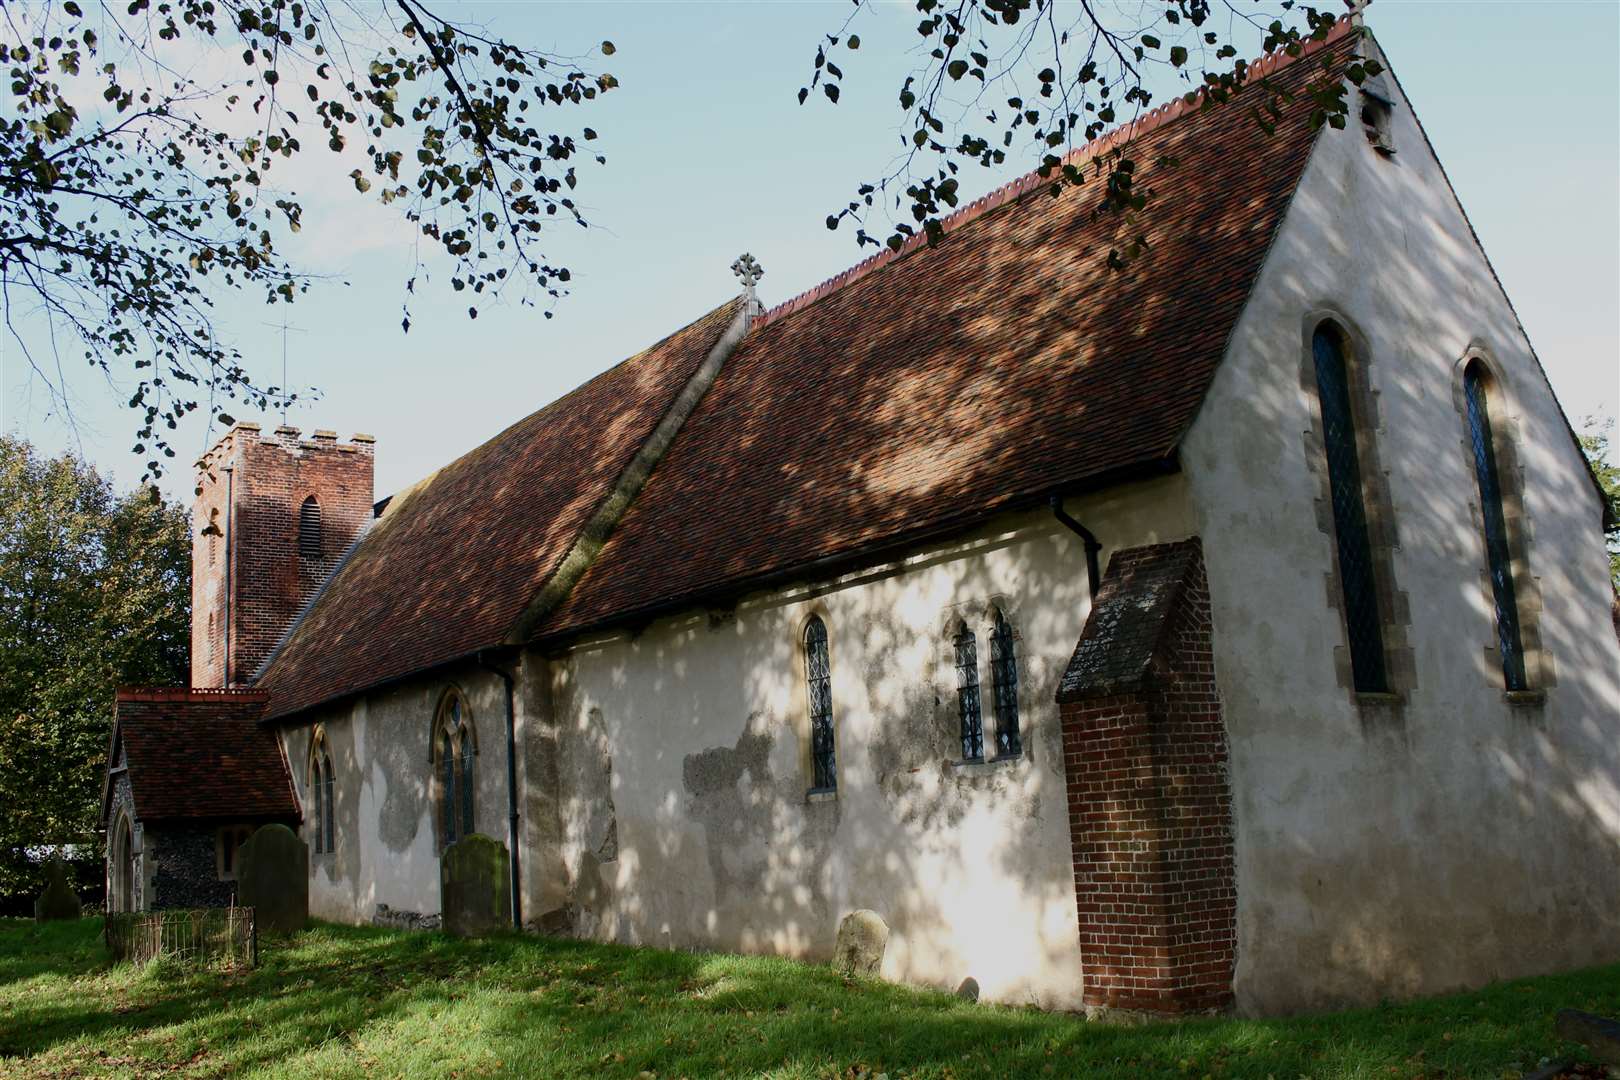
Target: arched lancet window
point(1356, 572)
point(455, 749)
point(1477, 392)
point(309, 529)
point(322, 793)
point(967, 693)
point(1004, 684)
point(818, 681)
point(465, 781)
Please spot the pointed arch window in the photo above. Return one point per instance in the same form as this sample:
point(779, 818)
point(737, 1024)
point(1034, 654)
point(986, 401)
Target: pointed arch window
point(1476, 393)
point(1004, 685)
point(455, 751)
point(818, 682)
point(322, 789)
point(1357, 576)
point(309, 529)
point(967, 693)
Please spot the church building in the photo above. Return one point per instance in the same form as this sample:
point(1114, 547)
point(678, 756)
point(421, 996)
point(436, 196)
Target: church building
point(1232, 629)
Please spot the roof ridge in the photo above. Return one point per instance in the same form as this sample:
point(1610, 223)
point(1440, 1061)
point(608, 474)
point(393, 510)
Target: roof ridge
point(191, 693)
point(1154, 119)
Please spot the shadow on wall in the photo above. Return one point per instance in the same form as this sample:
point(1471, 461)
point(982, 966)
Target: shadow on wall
point(680, 838)
point(1470, 839)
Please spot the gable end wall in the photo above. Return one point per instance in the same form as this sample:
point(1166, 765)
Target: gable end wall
point(1374, 837)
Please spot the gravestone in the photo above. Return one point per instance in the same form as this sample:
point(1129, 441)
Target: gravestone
point(272, 878)
point(58, 901)
point(862, 937)
point(475, 886)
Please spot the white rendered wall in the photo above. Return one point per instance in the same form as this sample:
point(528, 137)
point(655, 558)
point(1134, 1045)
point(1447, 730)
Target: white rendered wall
point(1460, 838)
point(387, 850)
point(687, 743)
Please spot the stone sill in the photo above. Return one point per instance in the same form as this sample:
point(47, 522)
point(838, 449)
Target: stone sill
point(1378, 700)
point(1525, 697)
point(816, 795)
point(987, 765)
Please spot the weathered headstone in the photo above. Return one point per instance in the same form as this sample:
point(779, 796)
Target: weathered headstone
point(862, 937)
point(969, 990)
point(1598, 1034)
point(475, 886)
point(58, 901)
point(272, 878)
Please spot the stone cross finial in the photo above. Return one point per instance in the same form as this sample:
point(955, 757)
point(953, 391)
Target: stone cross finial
point(748, 270)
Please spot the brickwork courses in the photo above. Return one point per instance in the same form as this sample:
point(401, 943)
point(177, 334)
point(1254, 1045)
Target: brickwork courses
point(1149, 802)
point(256, 544)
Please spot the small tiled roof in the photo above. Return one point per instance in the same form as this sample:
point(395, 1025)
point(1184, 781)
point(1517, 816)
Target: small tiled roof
point(1134, 604)
point(452, 563)
point(919, 393)
point(201, 754)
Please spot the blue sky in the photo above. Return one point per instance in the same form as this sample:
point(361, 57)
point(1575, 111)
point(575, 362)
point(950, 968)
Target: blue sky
point(709, 155)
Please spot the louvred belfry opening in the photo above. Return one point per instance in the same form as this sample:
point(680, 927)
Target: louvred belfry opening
point(272, 519)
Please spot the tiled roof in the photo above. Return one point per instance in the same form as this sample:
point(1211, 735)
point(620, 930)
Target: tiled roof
point(924, 391)
point(1126, 624)
point(202, 754)
point(453, 562)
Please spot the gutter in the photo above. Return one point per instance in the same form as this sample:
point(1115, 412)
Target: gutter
point(731, 591)
point(827, 565)
point(511, 789)
point(1093, 545)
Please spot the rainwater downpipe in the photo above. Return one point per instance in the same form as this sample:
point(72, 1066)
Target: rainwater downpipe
point(230, 511)
point(511, 791)
point(1093, 546)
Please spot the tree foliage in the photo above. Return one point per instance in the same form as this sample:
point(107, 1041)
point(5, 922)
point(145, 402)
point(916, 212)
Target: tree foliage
point(132, 191)
point(1599, 449)
point(1007, 80)
point(95, 592)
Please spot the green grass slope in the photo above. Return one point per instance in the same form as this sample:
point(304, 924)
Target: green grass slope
point(342, 1001)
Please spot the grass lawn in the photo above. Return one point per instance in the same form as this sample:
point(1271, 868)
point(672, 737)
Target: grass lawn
point(342, 1001)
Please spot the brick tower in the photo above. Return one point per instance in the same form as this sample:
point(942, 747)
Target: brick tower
point(272, 519)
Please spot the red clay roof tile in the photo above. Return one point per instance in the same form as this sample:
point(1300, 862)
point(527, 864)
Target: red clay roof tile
point(451, 565)
point(914, 393)
point(1005, 364)
point(202, 754)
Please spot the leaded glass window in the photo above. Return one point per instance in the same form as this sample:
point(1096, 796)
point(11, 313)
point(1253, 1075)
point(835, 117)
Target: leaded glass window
point(329, 813)
point(319, 793)
point(967, 693)
point(456, 751)
point(1496, 541)
point(1004, 684)
point(447, 762)
point(1356, 573)
point(818, 680)
point(466, 756)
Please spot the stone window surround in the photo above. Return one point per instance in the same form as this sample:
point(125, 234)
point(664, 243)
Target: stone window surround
point(1394, 608)
point(979, 614)
point(801, 722)
point(319, 746)
point(1539, 669)
point(436, 792)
